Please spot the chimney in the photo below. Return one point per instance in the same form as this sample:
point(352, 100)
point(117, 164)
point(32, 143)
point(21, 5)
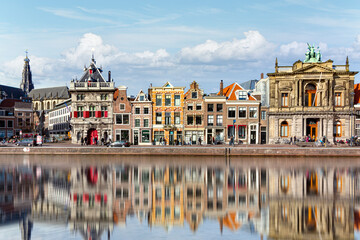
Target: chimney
point(221, 88)
point(262, 76)
point(109, 76)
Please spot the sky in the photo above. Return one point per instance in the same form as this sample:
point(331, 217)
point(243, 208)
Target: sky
point(143, 42)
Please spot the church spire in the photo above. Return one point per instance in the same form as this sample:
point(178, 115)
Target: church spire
point(26, 82)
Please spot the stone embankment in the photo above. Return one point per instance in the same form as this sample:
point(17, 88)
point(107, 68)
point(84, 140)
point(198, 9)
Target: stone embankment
point(188, 151)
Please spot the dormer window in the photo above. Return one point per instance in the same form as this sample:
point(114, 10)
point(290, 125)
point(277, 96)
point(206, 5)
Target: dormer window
point(142, 98)
point(243, 95)
point(194, 95)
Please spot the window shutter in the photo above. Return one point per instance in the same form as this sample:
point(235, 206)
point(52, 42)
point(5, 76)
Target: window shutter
point(106, 113)
point(86, 114)
point(98, 114)
point(75, 114)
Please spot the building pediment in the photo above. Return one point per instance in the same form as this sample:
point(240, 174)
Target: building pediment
point(317, 68)
point(339, 87)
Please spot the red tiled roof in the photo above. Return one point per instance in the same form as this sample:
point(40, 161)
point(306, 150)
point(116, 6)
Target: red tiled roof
point(357, 93)
point(230, 90)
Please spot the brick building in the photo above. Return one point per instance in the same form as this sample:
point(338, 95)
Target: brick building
point(122, 115)
point(194, 114)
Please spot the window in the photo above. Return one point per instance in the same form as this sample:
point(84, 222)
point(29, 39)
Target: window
point(210, 107)
point(167, 100)
point(190, 107)
point(158, 118)
point(137, 122)
point(137, 110)
point(20, 122)
point(142, 98)
point(310, 92)
point(177, 117)
point(122, 119)
point(284, 130)
point(242, 132)
point(242, 112)
point(263, 115)
point(231, 112)
point(231, 131)
point(210, 120)
point(80, 110)
point(103, 110)
point(219, 120)
point(146, 122)
point(19, 114)
point(194, 95)
point(146, 110)
point(198, 120)
point(158, 135)
point(10, 124)
point(357, 126)
point(2, 123)
point(337, 99)
point(337, 129)
point(27, 122)
point(158, 100)
point(80, 97)
point(122, 107)
point(190, 120)
point(198, 106)
point(104, 97)
point(357, 114)
point(284, 99)
point(177, 100)
point(252, 112)
point(243, 95)
point(167, 118)
point(219, 107)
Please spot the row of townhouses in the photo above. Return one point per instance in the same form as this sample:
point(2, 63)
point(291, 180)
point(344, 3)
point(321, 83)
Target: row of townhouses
point(310, 98)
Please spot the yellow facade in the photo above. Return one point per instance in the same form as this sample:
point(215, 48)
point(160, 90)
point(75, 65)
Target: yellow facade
point(170, 128)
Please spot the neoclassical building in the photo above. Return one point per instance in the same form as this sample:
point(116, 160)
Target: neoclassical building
point(311, 98)
point(92, 106)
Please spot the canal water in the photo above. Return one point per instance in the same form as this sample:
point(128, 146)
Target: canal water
point(128, 197)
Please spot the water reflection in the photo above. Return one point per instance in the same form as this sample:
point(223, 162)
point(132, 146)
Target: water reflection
point(92, 201)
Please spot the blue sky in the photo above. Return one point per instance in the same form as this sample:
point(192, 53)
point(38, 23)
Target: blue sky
point(145, 42)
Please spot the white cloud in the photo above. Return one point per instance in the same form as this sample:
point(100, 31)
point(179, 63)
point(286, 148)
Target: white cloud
point(253, 46)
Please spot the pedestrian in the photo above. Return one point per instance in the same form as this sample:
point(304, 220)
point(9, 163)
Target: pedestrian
point(213, 139)
point(82, 141)
point(294, 139)
point(161, 141)
point(85, 141)
point(199, 140)
point(231, 141)
point(291, 140)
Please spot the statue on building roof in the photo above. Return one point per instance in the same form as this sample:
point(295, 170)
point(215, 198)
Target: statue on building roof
point(311, 55)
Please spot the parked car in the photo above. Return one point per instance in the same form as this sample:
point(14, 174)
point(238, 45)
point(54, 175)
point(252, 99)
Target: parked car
point(26, 142)
point(120, 144)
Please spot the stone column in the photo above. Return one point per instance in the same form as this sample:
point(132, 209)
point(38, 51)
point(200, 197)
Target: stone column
point(320, 128)
point(276, 129)
point(296, 93)
point(300, 93)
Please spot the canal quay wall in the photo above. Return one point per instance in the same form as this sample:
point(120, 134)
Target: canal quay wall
point(189, 151)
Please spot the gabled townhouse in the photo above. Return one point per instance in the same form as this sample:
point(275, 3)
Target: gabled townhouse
point(122, 115)
point(168, 118)
point(141, 119)
point(215, 115)
point(242, 115)
point(194, 115)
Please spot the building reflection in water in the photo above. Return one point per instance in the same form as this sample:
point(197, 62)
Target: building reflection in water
point(275, 203)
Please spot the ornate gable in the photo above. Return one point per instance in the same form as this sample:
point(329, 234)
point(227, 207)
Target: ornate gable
point(314, 68)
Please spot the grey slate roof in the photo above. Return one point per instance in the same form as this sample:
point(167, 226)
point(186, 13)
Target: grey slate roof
point(49, 93)
point(249, 85)
point(11, 92)
point(94, 76)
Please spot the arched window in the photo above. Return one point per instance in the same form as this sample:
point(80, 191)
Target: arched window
point(36, 106)
point(54, 103)
point(48, 105)
point(337, 129)
point(284, 129)
point(310, 98)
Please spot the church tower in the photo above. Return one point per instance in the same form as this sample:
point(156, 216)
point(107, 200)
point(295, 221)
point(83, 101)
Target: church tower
point(26, 82)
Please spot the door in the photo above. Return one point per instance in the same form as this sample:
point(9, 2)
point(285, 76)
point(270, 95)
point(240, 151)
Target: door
point(136, 137)
point(253, 137)
point(263, 137)
point(171, 138)
point(92, 136)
